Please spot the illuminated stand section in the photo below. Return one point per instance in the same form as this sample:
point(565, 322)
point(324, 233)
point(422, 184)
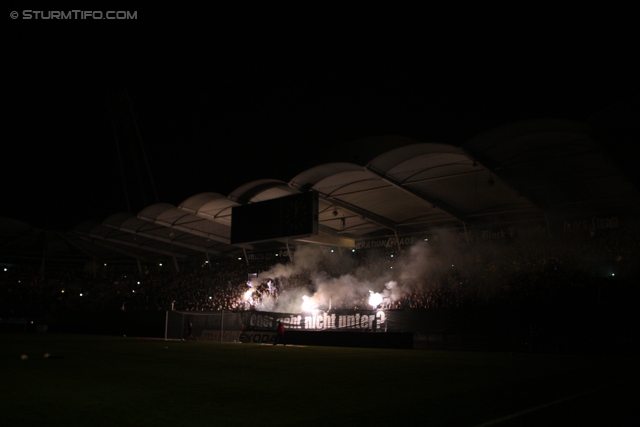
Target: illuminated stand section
point(296, 217)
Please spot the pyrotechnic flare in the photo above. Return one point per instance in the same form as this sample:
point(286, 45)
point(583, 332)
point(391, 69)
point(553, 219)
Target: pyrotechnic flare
point(308, 305)
point(248, 296)
point(375, 299)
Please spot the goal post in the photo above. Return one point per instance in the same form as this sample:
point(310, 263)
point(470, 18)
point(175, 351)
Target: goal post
point(218, 326)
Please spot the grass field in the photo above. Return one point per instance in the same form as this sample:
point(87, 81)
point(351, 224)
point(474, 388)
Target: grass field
point(119, 381)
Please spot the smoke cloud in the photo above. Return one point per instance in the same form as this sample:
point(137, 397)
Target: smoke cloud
point(332, 278)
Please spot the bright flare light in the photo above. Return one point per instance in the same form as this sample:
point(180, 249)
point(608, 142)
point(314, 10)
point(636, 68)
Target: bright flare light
point(375, 299)
point(308, 305)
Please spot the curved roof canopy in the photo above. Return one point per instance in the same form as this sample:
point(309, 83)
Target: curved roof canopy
point(520, 172)
point(558, 164)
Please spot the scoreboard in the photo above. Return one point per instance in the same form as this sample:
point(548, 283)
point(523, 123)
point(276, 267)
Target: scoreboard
point(285, 217)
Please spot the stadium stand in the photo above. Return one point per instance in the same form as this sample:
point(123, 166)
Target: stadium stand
point(533, 219)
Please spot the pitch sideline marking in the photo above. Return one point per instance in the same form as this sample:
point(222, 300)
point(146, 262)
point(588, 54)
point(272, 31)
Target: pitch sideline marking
point(555, 402)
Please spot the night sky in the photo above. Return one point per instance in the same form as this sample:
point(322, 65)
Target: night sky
point(220, 103)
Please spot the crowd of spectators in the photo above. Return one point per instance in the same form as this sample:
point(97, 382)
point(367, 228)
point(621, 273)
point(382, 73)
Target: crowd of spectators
point(582, 267)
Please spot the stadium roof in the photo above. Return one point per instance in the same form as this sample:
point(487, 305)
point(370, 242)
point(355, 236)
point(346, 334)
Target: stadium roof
point(521, 172)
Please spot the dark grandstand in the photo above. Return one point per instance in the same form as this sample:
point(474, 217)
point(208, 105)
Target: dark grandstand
point(526, 236)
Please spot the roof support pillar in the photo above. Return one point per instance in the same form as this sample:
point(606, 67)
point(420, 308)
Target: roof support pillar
point(397, 241)
point(288, 250)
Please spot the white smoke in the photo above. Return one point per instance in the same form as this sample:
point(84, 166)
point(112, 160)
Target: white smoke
point(289, 302)
point(410, 273)
point(305, 258)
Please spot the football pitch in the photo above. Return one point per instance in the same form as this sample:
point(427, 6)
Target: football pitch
point(120, 381)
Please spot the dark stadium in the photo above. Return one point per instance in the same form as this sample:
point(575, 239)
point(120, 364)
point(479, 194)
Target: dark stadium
point(435, 224)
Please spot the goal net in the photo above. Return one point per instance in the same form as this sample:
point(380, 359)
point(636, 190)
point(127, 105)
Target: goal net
point(217, 326)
